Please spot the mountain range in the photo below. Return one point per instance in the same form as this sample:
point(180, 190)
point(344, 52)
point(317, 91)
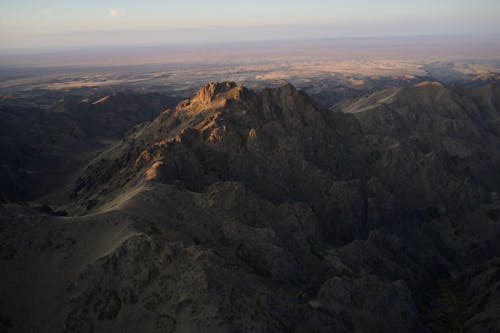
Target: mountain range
point(254, 211)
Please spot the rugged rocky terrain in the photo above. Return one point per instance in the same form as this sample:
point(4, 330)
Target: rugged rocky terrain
point(244, 211)
point(43, 146)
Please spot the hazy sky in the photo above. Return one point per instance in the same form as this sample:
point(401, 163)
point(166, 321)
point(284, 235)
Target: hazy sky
point(58, 23)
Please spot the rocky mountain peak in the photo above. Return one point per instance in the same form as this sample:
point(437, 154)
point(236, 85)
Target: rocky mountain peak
point(213, 96)
point(291, 106)
point(222, 122)
point(209, 92)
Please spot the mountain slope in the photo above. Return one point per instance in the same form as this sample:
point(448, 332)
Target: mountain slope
point(42, 146)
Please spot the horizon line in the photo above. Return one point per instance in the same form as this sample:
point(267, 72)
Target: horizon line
point(250, 41)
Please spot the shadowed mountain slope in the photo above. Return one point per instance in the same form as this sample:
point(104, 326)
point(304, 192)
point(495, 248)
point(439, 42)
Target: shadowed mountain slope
point(41, 148)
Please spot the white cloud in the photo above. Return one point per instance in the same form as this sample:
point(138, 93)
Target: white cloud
point(47, 11)
point(115, 12)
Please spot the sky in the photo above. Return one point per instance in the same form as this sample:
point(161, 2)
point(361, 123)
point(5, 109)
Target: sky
point(26, 24)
